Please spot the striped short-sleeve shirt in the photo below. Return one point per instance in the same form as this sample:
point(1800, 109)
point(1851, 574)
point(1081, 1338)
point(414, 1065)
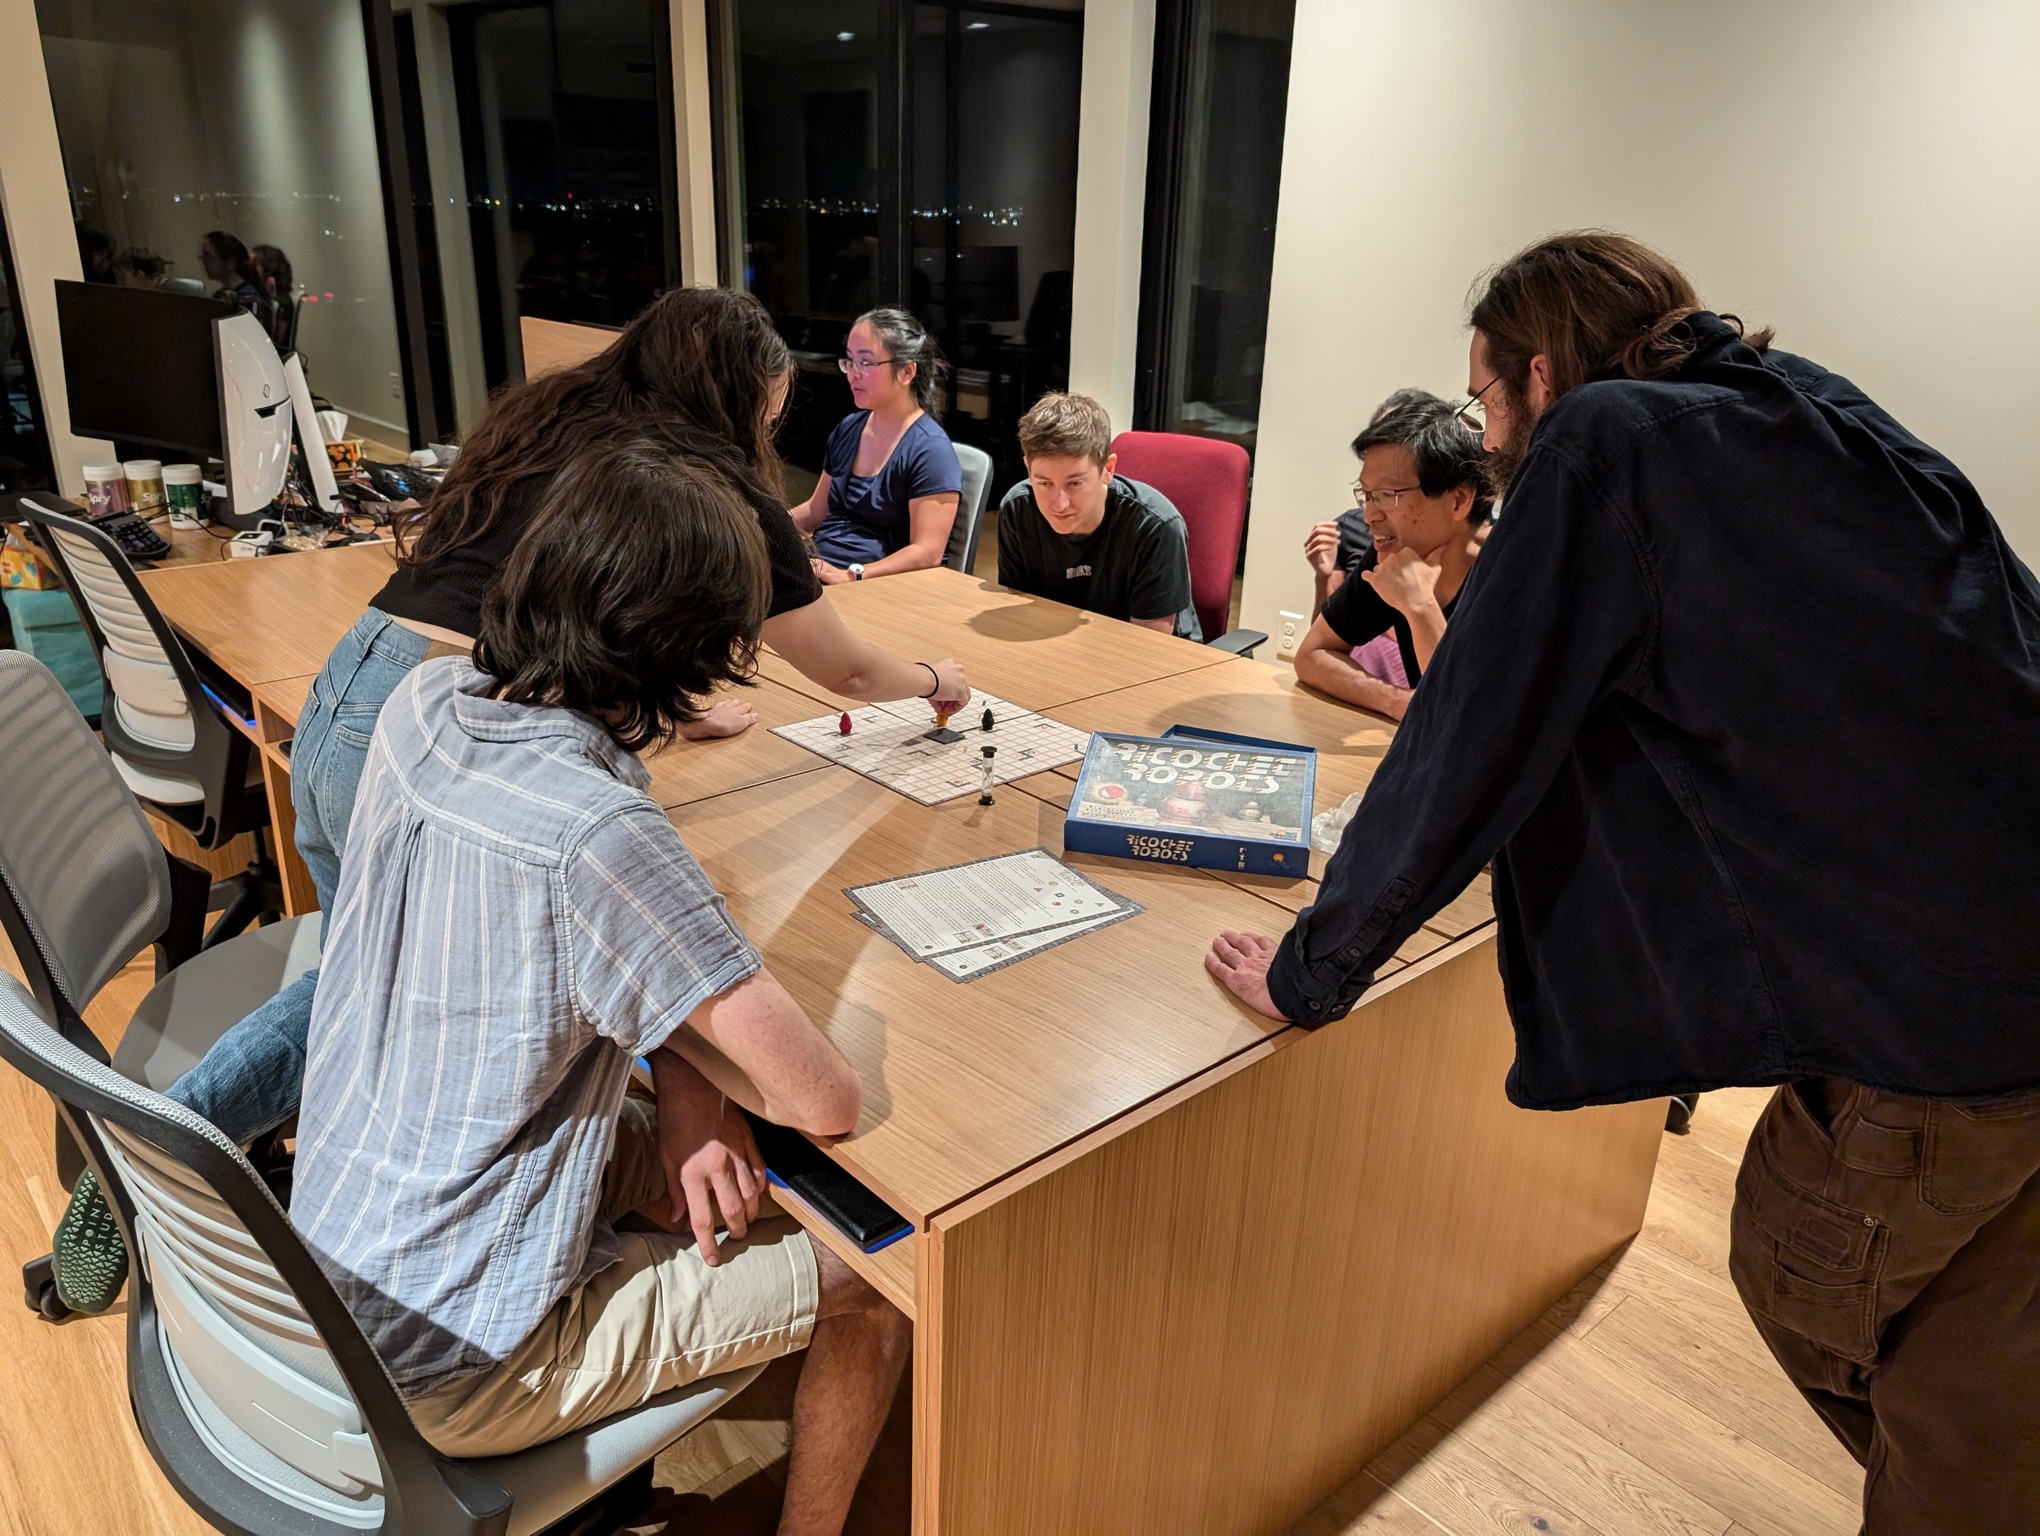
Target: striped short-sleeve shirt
point(515, 921)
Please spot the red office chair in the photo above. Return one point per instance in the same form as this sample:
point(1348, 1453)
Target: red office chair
point(1207, 481)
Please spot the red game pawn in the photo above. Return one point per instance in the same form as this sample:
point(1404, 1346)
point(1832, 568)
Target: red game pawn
point(843, 725)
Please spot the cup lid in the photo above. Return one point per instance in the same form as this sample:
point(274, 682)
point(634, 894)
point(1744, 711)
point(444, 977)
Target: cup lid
point(181, 474)
point(102, 472)
point(143, 469)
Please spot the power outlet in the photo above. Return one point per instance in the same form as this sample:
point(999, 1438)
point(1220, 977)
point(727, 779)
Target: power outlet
point(1292, 633)
point(396, 386)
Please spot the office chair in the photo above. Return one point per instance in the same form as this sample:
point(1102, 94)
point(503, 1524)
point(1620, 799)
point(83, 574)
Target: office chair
point(254, 1388)
point(85, 887)
point(162, 721)
point(970, 508)
point(1207, 481)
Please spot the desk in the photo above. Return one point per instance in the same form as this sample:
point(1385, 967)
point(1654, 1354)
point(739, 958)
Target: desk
point(1036, 653)
point(1175, 1268)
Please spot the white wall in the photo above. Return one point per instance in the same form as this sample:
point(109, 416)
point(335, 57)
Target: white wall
point(1863, 174)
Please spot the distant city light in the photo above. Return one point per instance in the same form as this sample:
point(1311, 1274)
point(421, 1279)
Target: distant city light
point(846, 37)
point(976, 26)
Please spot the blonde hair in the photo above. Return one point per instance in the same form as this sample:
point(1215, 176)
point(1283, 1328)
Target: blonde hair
point(1060, 426)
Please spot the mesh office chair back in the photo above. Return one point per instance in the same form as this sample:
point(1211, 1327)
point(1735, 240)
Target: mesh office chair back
point(255, 1389)
point(166, 737)
point(970, 508)
point(87, 884)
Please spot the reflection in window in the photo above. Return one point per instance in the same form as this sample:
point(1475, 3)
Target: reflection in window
point(182, 117)
point(995, 207)
point(1214, 165)
point(24, 452)
point(561, 137)
point(807, 170)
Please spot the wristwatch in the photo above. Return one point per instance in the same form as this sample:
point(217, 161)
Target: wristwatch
point(856, 572)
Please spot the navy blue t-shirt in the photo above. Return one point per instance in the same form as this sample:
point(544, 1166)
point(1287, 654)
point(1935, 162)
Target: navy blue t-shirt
point(868, 517)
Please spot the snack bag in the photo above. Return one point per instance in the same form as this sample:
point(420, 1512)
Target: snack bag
point(23, 565)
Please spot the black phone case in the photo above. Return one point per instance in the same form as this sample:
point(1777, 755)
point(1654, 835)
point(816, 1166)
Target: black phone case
point(809, 1172)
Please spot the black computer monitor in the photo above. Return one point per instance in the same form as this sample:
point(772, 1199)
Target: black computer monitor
point(139, 365)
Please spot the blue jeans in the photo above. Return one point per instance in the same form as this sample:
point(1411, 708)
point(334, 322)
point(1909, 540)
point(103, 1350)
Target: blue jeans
point(249, 1082)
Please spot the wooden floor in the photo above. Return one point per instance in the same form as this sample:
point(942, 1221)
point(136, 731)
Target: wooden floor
point(1643, 1403)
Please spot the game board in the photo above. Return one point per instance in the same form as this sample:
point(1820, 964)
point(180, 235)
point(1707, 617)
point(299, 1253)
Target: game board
point(887, 743)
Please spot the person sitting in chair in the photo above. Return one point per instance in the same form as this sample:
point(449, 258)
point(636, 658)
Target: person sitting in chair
point(517, 921)
point(1078, 533)
point(1423, 492)
point(890, 481)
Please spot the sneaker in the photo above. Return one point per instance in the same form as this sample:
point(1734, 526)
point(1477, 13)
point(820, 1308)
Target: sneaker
point(86, 1253)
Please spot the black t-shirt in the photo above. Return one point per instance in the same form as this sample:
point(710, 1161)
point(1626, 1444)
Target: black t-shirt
point(1355, 542)
point(448, 591)
point(1357, 613)
point(1134, 565)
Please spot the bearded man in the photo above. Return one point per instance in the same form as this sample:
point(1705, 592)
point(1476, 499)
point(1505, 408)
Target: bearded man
point(1742, 700)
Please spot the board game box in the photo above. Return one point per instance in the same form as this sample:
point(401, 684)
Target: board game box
point(1190, 796)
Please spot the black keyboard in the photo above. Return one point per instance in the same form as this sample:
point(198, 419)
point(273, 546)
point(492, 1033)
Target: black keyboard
point(137, 540)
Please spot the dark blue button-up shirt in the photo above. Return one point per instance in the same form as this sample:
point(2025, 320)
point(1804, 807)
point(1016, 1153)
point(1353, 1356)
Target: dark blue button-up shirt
point(1742, 699)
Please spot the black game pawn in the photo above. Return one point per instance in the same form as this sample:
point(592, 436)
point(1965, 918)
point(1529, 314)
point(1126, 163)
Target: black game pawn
point(985, 719)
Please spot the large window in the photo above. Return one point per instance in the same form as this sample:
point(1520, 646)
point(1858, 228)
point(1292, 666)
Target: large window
point(24, 449)
point(1221, 91)
point(538, 147)
point(180, 117)
point(919, 155)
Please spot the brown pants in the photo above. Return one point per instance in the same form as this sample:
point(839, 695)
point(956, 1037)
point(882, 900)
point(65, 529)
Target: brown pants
point(1889, 1250)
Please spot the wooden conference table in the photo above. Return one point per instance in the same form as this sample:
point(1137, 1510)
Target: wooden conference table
point(1175, 1268)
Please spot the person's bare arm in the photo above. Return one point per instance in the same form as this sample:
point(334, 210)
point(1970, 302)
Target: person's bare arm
point(758, 1046)
point(1321, 549)
point(1325, 662)
point(807, 516)
point(930, 519)
point(1408, 583)
point(817, 641)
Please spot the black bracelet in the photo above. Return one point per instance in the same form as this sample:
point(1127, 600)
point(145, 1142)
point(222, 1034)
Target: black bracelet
point(935, 686)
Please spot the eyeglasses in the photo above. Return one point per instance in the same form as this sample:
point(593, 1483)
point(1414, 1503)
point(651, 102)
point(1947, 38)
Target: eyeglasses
point(1364, 498)
point(1473, 414)
point(856, 366)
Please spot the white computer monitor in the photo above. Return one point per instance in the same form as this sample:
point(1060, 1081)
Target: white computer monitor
point(255, 416)
point(325, 489)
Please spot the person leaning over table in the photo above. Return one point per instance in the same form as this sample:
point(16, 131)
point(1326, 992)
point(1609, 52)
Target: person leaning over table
point(700, 371)
point(1077, 533)
point(524, 1268)
point(1423, 492)
point(1743, 701)
point(890, 481)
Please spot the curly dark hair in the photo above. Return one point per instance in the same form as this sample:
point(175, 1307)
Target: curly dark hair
point(694, 370)
point(639, 586)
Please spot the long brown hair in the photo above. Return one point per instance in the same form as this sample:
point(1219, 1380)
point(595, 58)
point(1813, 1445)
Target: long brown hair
point(693, 371)
point(1598, 305)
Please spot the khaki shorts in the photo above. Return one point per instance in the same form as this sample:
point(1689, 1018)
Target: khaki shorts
point(656, 1319)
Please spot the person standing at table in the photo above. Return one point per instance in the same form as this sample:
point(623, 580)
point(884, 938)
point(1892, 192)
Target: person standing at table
point(1076, 531)
point(890, 481)
point(1743, 701)
point(700, 371)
